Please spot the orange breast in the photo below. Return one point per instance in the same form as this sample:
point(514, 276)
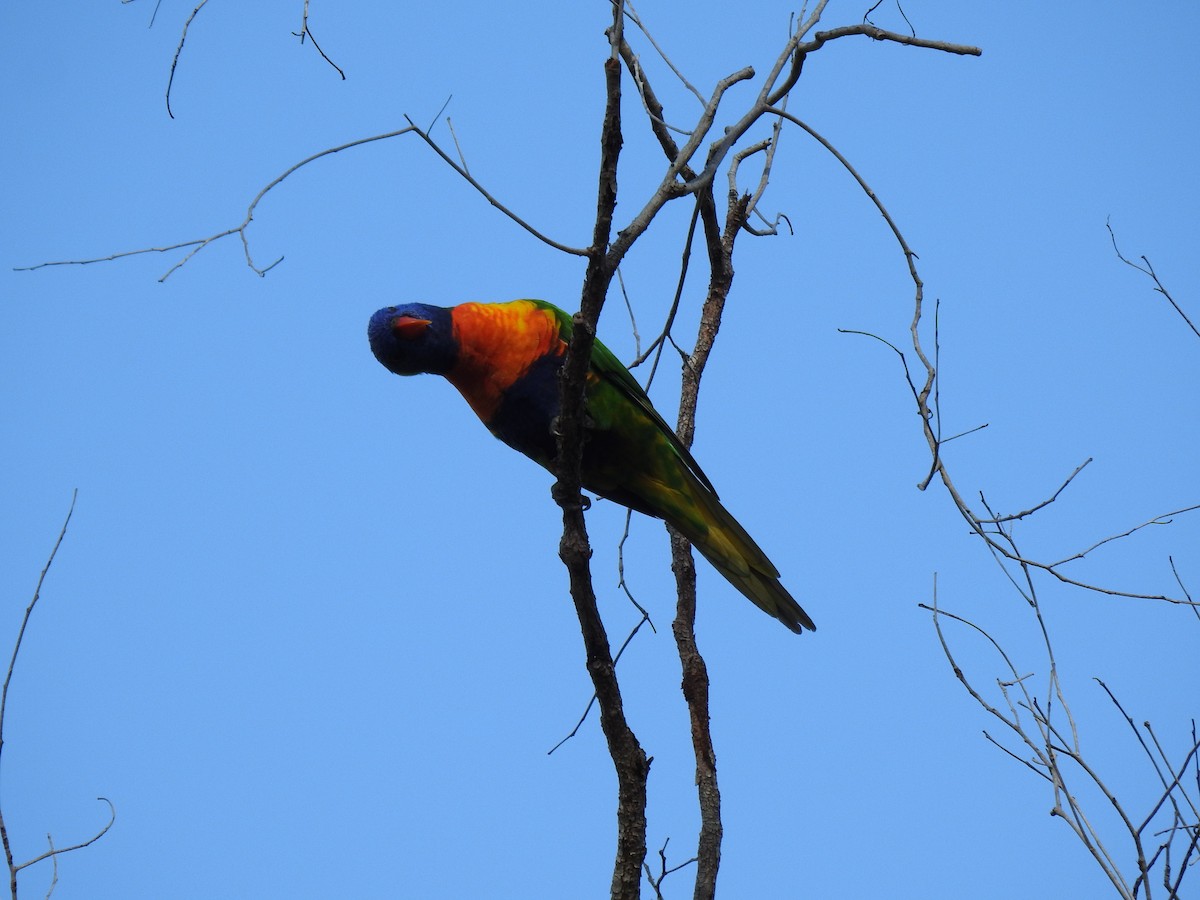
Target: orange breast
point(498, 342)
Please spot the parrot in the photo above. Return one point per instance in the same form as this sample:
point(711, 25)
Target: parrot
point(504, 358)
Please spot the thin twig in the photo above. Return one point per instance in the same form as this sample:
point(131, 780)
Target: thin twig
point(1164, 519)
point(930, 422)
point(423, 134)
point(664, 870)
point(1182, 587)
point(13, 867)
point(53, 853)
point(1046, 750)
point(179, 50)
point(645, 619)
point(462, 159)
point(306, 32)
point(632, 16)
point(1148, 270)
point(199, 244)
point(37, 593)
point(53, 868)
point(1028, 512)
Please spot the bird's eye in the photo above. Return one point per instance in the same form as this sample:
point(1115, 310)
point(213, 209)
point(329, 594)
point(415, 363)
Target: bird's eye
point(409, 328)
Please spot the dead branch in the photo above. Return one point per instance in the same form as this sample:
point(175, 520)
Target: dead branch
point(996, 538)
point(635, 69)
point(179, 50)
point(1164, 519)
point(1148, 270)
point(153, 13)
point(1042, 732)
point(423, 134)
point(1012, 517)
point(199, 244)
point(876, 33)
point(302, 34)
point(664, 870)
point(306, 32)
point(1183, 588)
point(53, 853)
point(629, 759)
point(1048, 749)
point(645, 619)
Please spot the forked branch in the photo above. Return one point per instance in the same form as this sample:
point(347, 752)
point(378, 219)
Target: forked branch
point(199, 244)
point(53, 853)
point(1148, 270)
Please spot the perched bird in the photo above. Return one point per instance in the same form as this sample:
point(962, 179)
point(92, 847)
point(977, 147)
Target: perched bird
point(504, 358)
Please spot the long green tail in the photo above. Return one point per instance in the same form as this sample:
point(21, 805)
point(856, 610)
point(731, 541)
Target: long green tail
point(726, 544)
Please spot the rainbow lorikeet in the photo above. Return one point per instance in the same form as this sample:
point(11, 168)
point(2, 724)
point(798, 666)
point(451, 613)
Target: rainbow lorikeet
point(504, 358)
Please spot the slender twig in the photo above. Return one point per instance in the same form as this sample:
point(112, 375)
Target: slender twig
point(153, 13)
point(928, 412)
point(199, 244)
point(1164, 519)
point(664, 335)
point(1047, 748)
point(664, 870)
point(879, 3)
point(632, 16)
point(644, 620)
point(52, 852)
point(306, 32)
point(53, 868)
point(13, 867)
point(462, 159)
point(1182, 587)
point(179, 50)
point(37, 593)
point(423, 134)
point(1148, 270)
point(961, 434)
point(1043, 504)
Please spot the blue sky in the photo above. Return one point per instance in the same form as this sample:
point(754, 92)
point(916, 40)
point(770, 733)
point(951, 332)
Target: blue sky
point(309, 631)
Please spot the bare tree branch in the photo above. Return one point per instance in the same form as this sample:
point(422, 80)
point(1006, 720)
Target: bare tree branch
point(664, 870)
point(632, 16)
point(879, 34)
point(423, 134)
point(996, 537)
point(199, 244)
point(56, 852)
point(13, 866)
point(153, 13)
point(1048, 750)
point(1050, 738)
point(306, 32)
point(179, 50)
point(1042, 505)
point(1148, 270)
point(645, 619)
point(629, 759)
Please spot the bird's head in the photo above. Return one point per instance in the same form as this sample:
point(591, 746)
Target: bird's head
point(413, 338)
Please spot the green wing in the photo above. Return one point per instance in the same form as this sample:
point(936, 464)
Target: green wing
point(634, 458)
point(607, 367)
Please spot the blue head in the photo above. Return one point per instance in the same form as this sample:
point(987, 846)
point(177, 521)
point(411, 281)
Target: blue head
point(413, 338)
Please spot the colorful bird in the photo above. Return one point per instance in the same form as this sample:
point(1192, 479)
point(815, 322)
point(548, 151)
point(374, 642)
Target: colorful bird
point(504, 358)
